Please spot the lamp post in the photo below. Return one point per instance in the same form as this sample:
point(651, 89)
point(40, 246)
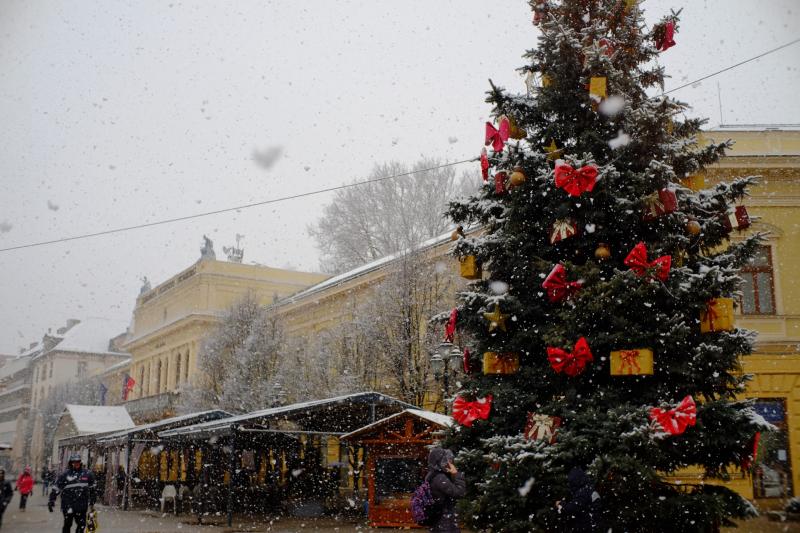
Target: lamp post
point(440, 363)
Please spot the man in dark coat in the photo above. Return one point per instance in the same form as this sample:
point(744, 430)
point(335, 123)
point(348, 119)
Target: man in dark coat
point(6, 493)
point(447, 486)
point(77, 489)
point(582, 509)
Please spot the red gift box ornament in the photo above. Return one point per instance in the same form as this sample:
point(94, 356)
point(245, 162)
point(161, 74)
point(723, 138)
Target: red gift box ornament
point(498, 137)
point(557, 286)
point(465, 413)
point(665, 36)
point(660, 203)
point(656, 269)
point(563, 228)
point(484, 165)
point(737, 218)
point(570, 363)
point(500, 182)
point(542, 427)
point(675, 421)
point(450, 328)
point(575, 182)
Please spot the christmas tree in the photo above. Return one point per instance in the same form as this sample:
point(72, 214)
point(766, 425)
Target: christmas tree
point(601, 329)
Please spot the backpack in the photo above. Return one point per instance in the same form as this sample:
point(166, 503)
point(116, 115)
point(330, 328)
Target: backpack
point(425, 509)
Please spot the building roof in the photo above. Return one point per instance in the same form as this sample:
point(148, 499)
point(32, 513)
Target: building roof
point(91, 335)
point(333, 416)
point(167, 423)
point(89, 419)
point(438, 419)
point(15, 365)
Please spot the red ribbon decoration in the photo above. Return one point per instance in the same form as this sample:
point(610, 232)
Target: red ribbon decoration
point(629, 359)
point(667, 39)
point(576, 182)
point(465, 413)
point(484, 165)
point(571, 363)
point(747, 462)
point(710, 313)
point(675, 421)
point(497, 137)
point(450, 328)
point(465, 361)
point(557, 286)
point(637, 261)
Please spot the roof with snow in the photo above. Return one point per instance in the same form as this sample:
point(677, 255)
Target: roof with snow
point(15, 365)
point(162, 425)
point(437, 419)
point(332, 416)
point(91, 335)
point(90, 419)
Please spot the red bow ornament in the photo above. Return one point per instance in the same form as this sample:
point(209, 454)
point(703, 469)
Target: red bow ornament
point(665, 36)
point(465, 413)
point(571, 363)
point(675, 421)
point(657, 268)
point(557, 286)
point(450, 328)
point(576, 182)
point(498, 137)
point(484, 165)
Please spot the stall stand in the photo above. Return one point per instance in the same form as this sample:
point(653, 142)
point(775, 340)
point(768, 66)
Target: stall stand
point(397, 458)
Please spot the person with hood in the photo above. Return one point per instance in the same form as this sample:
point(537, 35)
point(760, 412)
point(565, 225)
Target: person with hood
point(6, 493)
point(77, 489)
point(581, 510)
point(447, 485)
point(25, 487)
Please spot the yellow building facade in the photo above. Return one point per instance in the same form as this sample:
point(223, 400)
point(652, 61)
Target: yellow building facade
point(770, 304)
point(171, 320)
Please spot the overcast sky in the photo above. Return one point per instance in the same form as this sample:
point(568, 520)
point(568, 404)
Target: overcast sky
point(116, 113)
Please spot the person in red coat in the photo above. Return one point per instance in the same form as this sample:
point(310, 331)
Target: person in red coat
point(25, 487)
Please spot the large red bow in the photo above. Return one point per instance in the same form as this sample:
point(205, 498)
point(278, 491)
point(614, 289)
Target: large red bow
point(558, 288)
point(675, 421)
point(484, 165)
point(571, 363)
point(497, 137)
point(666, 37)
point(450, 328)
point(577, 181)
point(465, 413)
point(657, 268)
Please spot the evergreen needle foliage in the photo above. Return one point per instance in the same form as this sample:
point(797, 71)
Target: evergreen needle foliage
point(606, 428)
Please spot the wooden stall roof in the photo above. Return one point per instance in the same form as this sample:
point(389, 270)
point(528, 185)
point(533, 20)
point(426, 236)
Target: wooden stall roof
point(330, 416)
point(437, 419)
point(150, 431)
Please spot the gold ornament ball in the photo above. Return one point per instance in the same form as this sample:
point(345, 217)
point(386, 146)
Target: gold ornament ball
point(517, 177)
point(602, 252)
point(693, 227)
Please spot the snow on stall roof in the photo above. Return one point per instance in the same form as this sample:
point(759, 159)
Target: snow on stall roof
point(364, 269)
point(99, 418)
point(284, 409)
point(91, 335)
point(436, 418)
point(217, 414)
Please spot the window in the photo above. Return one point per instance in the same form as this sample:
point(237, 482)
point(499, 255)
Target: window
point(83, 368)
point(51, 368)
point(178, 369)
point(186, 367)
point(141, 382)
point(758, 289)
point(158, 377)
point(772, 475)
point(36, 375)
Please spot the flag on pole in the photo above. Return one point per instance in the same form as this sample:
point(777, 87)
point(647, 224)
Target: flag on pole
point(103, 391)
point(127, 386)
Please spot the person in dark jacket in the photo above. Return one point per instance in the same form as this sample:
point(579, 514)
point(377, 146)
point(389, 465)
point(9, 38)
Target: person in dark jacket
point(77, 489)
point(581, 510)
point(447, 486)
point(6, 493)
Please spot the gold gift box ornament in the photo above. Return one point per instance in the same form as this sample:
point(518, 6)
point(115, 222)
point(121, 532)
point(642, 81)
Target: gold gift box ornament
point(695, 182)
point(500, 363)
point(470, 267)
point(633, 362)
point(717, 316)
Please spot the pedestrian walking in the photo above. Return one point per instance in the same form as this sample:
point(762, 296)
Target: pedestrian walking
point(6, 493)
point(77, 489)
point(47, 479)
point(582, 510)
point(447, 485)
point(25, 487)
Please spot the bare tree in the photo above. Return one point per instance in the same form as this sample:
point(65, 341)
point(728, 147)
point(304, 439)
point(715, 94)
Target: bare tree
point(238, 362)
point(373, 220)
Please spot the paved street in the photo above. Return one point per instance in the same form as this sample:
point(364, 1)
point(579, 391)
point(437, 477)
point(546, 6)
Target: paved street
point(38, 520)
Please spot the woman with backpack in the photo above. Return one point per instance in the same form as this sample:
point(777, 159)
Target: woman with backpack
point(447, 485)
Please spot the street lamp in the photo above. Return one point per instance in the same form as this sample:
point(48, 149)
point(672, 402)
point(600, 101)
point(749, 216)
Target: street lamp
point(440, 363)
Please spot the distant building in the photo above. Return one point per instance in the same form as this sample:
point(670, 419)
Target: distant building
point(171, 320)
point(15, 403)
